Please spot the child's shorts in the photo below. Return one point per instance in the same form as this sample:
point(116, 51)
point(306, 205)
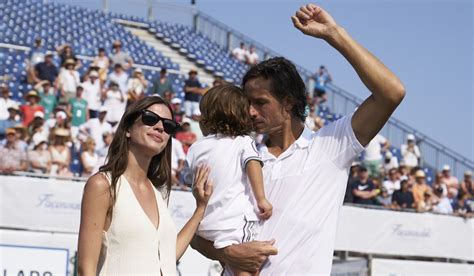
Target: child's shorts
point(247, 232)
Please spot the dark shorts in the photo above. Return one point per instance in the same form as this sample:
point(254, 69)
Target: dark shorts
point(319, 92)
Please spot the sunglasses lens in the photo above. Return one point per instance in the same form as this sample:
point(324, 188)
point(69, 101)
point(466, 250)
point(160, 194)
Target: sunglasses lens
point(149, 119)
point(169, 126)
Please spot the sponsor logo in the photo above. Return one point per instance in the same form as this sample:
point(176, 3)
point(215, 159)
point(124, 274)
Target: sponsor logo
point(48, 201)
point(403, 231)
point(363, 187)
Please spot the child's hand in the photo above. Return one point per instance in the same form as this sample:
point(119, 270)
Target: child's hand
point(265, 208)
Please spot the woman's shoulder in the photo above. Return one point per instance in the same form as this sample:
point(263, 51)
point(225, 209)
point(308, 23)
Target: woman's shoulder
point(97, 184)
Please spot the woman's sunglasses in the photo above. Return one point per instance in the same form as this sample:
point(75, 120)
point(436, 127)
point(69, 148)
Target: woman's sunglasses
point(150, 118)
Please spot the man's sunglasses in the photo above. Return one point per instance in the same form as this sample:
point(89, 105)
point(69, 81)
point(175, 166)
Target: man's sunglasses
point(150, 118)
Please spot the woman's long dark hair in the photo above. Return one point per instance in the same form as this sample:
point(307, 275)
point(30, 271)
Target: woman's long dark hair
point(159, 170)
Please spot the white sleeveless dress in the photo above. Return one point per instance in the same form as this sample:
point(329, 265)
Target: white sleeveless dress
point(132, 245)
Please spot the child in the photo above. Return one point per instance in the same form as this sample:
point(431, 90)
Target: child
point(236, 169)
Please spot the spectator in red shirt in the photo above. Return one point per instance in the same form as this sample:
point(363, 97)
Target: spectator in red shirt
point(28, 110)
point(186, 136)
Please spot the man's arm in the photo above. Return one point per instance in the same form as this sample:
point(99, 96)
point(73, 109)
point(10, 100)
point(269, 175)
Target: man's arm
point(387, 90)
point(247, 256)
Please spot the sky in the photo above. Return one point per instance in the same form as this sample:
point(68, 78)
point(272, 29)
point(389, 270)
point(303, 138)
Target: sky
point(428, 44)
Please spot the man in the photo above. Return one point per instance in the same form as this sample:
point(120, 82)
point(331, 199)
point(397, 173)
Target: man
point(410, 152)
point(373, 154)
point(45, 70)
point(92, 93)
point(467, 186)
point(451, 181)
point(192, 96)
point(48, 101)
point(12, 157)
point(77, 110)
point(240, 52)
point(96, 127)
point(119, 76)
point(305, 173)
point(363, 189)
point(251, 57)
point(403, 198)
point(37, 55)
point(393, 182)
point(162, 84)
point(321, 77)
point(120, 57)
point(5, 101)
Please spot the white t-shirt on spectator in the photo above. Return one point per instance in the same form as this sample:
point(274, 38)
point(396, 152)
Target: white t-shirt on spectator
point(306, 185)
point(391, 186)
point(96, 129)
point(410, 158)
point(231, 197)
point(92, 94)
point(121, 80)
point(177, 153)
point(252, 58)
point(69, 80)
point(373, 151)
point(4, 105)
point(239, 53)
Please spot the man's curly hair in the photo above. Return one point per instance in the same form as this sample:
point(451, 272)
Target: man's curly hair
point(225, 110)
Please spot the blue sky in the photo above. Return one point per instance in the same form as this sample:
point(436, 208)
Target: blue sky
point(428, 44)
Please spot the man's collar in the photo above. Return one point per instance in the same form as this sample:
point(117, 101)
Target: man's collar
point(302, 142)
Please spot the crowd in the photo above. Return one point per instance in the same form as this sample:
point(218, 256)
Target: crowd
point(71, 117)
point(381, 179)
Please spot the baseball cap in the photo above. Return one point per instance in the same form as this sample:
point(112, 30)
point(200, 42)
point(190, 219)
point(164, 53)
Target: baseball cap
point(446, 168)
point(410, 137)
point(94, 74)
point(175, 100)
point(39, 114)
point(420, 174)
point(61, 114)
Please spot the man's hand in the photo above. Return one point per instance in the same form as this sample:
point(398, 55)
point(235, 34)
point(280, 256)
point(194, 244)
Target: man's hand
point(314, 21)
point(248, 256)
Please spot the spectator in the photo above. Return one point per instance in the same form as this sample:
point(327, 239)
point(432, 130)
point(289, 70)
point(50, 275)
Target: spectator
point(251, 57)
point(45, 70)
point(192, 96)
point(389, 162)
point(420, 189)
point(462, 209)
point(37, 55)
point(467, 186)
point(102, 152)
point(240, 52)
point(5, 101)
point(186, 136)
point(136, 86)
point(384, 199)
point(66, 53)
point(393, 182)
point(60, 153)
point(92, 94)
point(410, 152)
point(451, 181)
point(168, 96)
point(89, 159)
point(9, 122)
point(21, 137)
point(178, 157)
point(114, 102)
point(373, 154)
point(78, 111)
point(37, 126)
point(162, 84)
point(48, 101)
point(322, 77)
point(96, 127)
point(120, 57)
point(12, 156)
point(313, 121)
point(40, 156)
point(363, 189)
point(403, 198)
point(67, 81)
point(120, 77)
point(443, 205)
point(28, 110)
point(428, 202)
point(102, 63)
point(177, 111)
point(60, 121)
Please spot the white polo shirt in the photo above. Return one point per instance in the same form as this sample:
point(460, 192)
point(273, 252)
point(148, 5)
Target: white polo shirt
point(231, 196)
point(306, 185)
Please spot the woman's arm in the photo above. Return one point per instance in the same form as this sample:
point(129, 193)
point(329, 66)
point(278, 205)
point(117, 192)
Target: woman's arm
point(95, 204)
point(202, 190)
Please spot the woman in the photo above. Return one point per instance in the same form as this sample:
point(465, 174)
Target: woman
point(136, 86)
point(60, 153)
point(89, 158)
point(125, 224)
point(40, 157)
